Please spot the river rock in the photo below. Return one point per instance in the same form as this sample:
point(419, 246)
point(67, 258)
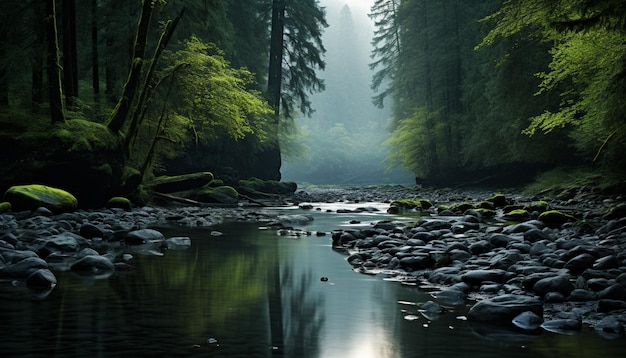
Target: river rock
point(93, 265)
point(504, 308)
point(528, 321)
point(559, 284)
point(580, 263)
point(563, 326)
point(477, 277)
point(582, 295)
point(23, 268)
point(31, 197)
point(613, 292)
point(41, 279)
point(138, 237)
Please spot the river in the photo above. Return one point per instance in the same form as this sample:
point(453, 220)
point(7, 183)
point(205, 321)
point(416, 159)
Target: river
point(252, 293)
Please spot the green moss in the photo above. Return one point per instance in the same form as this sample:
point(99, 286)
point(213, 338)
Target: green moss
point(30, 197)
point(78, 135)
point(220, 194)
point(170, 184)
point(486, 205)
point(555, 217)
point(487, 213)
point(498, 200)
point(119, 203)
point(5, 206)
point(461, 207)
point(512, 207)
point(517, 215)
point(539, 206)
point(411, 204)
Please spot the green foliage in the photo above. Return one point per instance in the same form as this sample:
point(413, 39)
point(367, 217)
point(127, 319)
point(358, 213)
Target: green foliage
point(209, 94)
point(412, 142)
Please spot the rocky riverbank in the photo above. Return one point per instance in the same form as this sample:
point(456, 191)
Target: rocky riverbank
point(522, 262)
point(557, 263)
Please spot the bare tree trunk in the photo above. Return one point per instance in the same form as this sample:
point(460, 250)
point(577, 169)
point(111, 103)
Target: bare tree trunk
point(123, 108)
point(57, 112)
point(37, 91)
point(95, 68)
point(70, 65)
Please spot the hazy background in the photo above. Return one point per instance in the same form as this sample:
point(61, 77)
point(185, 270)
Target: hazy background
point(343, 139)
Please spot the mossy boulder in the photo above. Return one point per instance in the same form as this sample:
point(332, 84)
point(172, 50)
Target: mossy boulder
point(5, 206)
point(80, 156)
point(209, 194)
point(400, 205)
point(31, 197)
point(498, 200)
point(461, 207)
point(484, 212)
point(556, 217)
point(119, 202)
point(517, 215)
point(172, 184)
point(253, 186)
point(539, 206)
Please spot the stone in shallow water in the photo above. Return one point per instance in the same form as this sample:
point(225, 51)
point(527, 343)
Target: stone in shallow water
point(563, 326)
point(610, 327)
point(504, 308)
point(559, 284)
point(528, 321)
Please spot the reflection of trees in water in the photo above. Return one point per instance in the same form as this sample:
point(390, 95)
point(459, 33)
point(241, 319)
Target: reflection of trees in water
point(302, 316)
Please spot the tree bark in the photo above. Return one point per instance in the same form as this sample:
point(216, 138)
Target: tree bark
point(57, 112)
point(123, 108)
point(95, 68)
point(70, 65)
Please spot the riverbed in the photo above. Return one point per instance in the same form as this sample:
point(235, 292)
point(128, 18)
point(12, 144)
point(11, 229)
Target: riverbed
point(242, 290)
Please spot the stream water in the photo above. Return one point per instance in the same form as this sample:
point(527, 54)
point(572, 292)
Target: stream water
point(252, 293)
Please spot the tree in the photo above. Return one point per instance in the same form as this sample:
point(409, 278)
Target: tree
point(57, 111)
point(70, 62)
point(386, 43)
point(587, 69)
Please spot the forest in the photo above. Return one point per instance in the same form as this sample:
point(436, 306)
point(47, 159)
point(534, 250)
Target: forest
point(131, 90)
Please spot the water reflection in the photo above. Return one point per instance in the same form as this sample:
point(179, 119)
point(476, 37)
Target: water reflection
point(243, 293)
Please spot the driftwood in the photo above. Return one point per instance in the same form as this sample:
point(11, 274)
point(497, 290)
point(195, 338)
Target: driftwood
point(199, 203)
point(179, 199)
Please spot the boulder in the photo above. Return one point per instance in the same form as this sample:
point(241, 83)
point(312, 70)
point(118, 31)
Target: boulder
point(41, 279)
point(143, 236)
point(559, 284)
point(31, 197)
point(118, 202)
point(555, 217)
point(93, 265)
point(504, 308)
point(220, 194)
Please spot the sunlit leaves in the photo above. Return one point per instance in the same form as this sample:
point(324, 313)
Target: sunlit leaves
point(213, 95)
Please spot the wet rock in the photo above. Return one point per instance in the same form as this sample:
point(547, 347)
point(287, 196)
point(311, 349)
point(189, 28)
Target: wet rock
point(504, 308)
point(138, 237)
point(500, 240)
point(580, 263)
point(613, 292)
point(554, 297)
point(416, 262)
point(607, 262)
point(610, 327)
point(609, 305)
point(528, 321)
point(534, 235)
point(559, 284)
point(477, 277)
point(23, 268)
point(41, 279)
point(178, 243)
point(93, 265)
point(480, 247)
point(582, 295)
point(563, 326)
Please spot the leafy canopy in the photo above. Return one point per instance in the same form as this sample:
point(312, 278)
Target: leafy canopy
point(211, 95)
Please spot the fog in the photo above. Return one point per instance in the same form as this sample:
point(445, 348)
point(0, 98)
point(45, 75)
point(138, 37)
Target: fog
point(343, 139)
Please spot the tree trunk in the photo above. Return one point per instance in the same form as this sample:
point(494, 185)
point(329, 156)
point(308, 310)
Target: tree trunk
point(70, 65)
point(39, 30)
point(95, 68)
point(4, 83)
point(123, 108)
point(269, 160)
point(54, 68)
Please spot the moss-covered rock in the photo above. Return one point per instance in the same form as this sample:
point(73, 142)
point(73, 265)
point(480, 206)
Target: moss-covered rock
point(556, 217)
point(486, 205)
point(255, 185)
point(517, 215)
point(461, 207)
point(539, 206)
point(119, 202)
point(400, 205)
point(5, 206)
point(498, 200)
point(220, 194)
point(172, 184)
point(31, 197)
point(484, 212)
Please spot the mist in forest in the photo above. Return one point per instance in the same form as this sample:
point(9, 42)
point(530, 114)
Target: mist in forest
point(342, 142)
